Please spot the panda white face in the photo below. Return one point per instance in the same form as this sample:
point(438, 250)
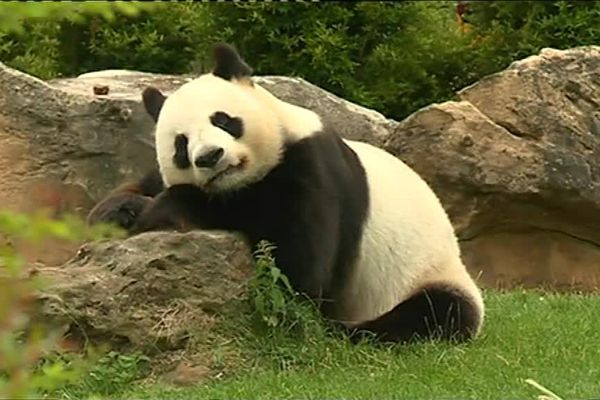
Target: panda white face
point(221, 131)
point(218, 134)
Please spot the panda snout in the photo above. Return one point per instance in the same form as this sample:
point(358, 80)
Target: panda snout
point(209, 158)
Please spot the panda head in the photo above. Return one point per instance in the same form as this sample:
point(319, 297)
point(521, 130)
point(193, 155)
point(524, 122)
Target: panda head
point(219, 131)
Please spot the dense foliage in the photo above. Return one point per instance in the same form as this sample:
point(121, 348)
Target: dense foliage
point(392, 56)
point(27, 366)
point(14, 14)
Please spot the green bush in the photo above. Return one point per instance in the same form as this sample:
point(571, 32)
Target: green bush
point(14, 14)
point(392, 56)
point(35, 37)
point(26, 365)
point(507, 31)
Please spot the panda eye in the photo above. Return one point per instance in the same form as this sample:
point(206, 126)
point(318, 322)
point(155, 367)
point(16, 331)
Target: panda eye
point(231, 125)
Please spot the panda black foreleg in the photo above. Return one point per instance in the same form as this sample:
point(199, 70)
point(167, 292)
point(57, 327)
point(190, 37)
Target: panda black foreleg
point(435, 312)
point(306, 270)
point(125, 203)
point(307, 257)
point(180, 208)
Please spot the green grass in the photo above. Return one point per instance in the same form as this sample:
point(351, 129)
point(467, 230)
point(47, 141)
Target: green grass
point(550, 338)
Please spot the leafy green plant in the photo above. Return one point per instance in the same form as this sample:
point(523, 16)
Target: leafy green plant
point(111, 374)
point(24, 344)
point(14, 14)
point(282, 327)
point(505, 31)
point(391, 56)
point(22, 347)
point(38, 37)
point(269, 290)
point(274, 303)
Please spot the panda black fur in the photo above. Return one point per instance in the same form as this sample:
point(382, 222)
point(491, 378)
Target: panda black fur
point(353, 225)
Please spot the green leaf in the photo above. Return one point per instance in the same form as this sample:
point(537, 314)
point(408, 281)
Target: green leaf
point(275, 274)
point(278, 301)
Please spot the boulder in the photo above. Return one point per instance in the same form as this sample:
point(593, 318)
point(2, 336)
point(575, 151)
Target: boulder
point(354, 121)
point(351, 120)
point(150, 292)
point(516, 163)
point(65, 147)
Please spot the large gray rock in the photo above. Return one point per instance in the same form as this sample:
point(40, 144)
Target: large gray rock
point(516, 163)
point(353, 121)
point(147, 292)
point(162, 293)
point(76, 146)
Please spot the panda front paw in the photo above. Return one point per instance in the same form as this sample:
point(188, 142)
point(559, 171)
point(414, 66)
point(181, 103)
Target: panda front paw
point(158, 219)
point(122, 210)
point(175, 209)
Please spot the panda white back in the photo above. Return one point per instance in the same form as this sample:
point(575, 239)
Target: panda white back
point(408, 242)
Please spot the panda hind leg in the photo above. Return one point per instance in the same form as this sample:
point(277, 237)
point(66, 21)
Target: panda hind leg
point(440, 312)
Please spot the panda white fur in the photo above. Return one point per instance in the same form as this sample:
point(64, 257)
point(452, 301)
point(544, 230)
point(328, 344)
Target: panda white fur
point(354, 227)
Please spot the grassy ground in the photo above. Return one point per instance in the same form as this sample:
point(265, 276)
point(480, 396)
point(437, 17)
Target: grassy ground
point(550, 338)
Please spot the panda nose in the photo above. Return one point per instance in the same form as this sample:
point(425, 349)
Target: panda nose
point(209, 158)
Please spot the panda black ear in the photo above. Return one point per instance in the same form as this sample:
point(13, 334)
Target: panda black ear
point(228, 63)
point(153, 101)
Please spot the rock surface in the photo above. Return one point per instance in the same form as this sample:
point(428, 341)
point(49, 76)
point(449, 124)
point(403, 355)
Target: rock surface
point(354, 121)
point(148, 292)
point(514, 158)
point(516, 163)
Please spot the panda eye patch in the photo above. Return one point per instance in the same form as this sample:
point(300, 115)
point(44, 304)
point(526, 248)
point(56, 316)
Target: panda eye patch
point(231, 125)
point(180, 158)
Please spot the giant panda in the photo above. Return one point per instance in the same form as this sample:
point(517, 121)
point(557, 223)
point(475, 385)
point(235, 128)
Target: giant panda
point(353, 226)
